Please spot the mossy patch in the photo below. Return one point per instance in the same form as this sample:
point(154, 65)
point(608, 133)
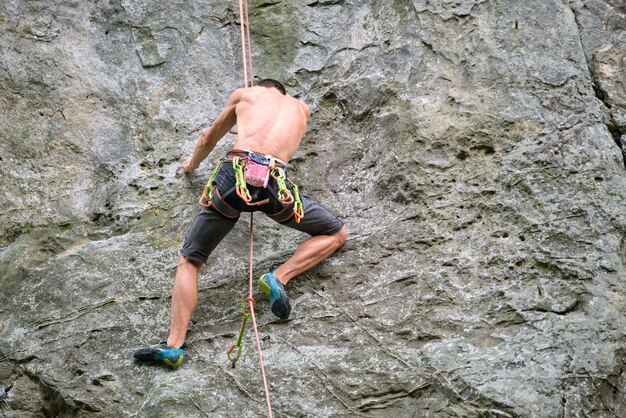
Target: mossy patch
point(275, 30)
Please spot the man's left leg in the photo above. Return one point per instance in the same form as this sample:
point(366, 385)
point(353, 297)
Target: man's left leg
point(184, 299)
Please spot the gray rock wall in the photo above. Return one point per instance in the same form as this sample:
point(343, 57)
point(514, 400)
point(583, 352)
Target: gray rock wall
point(474, 149)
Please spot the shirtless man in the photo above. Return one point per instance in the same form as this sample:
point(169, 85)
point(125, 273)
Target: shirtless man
point(270, 125)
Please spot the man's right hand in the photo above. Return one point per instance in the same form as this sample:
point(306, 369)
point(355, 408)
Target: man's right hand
point(187, 167)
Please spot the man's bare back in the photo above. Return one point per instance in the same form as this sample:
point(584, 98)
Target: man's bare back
point(268, 122)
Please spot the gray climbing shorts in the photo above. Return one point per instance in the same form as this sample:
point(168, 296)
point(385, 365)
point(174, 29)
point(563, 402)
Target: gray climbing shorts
point(210, 227)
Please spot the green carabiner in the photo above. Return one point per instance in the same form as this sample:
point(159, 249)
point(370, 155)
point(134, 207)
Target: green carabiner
point(207, 194)
point(238, 344)
point(240, 180)
point(284, 194)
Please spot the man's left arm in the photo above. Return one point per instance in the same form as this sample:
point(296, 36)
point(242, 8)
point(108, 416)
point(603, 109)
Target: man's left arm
point(222, 124)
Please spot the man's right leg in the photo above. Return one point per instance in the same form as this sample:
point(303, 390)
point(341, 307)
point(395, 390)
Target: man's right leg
point(206, 232)
point(184, 299)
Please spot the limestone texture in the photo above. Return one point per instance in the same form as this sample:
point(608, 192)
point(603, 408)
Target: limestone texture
point(474, 149)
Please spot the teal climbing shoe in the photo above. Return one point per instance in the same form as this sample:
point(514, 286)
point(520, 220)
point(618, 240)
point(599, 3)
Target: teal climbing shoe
point(162, 352)
point(278, 298)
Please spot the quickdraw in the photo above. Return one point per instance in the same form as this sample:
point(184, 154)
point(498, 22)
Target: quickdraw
point(207, 194)
point(298, 210)
point(284, 194)
point(238, 344)
point(240, 180)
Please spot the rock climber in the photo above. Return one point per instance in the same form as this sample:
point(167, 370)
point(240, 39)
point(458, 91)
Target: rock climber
point(251, 177)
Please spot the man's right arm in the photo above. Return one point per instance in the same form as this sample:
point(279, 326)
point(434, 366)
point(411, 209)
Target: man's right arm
point(222, 124)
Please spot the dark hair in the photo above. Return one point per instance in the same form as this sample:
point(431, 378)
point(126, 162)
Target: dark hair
point(269, 83)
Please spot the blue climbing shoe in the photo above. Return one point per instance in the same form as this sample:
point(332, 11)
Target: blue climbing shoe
point(278, 298)
point(173, 357)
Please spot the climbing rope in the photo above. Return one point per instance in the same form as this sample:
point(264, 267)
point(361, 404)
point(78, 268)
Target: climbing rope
point(243, 10)
point(247, 65)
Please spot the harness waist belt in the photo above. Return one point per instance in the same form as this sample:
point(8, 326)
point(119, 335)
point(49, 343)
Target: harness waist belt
point(244, 153)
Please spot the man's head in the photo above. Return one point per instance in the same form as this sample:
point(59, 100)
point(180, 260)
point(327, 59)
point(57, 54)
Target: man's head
point(269, 83)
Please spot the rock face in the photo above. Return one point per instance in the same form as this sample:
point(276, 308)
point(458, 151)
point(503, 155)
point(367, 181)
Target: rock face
point(473, 148)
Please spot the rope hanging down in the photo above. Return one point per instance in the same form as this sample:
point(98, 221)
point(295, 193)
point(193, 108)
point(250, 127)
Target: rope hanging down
point(247, 69)
point(243, 11)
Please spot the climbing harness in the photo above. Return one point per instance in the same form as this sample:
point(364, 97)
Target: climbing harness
point(263, 167)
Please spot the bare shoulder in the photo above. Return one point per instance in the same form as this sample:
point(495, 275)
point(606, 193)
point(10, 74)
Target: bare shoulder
point(304, 108)
point(253, 93)
point(236, 96)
